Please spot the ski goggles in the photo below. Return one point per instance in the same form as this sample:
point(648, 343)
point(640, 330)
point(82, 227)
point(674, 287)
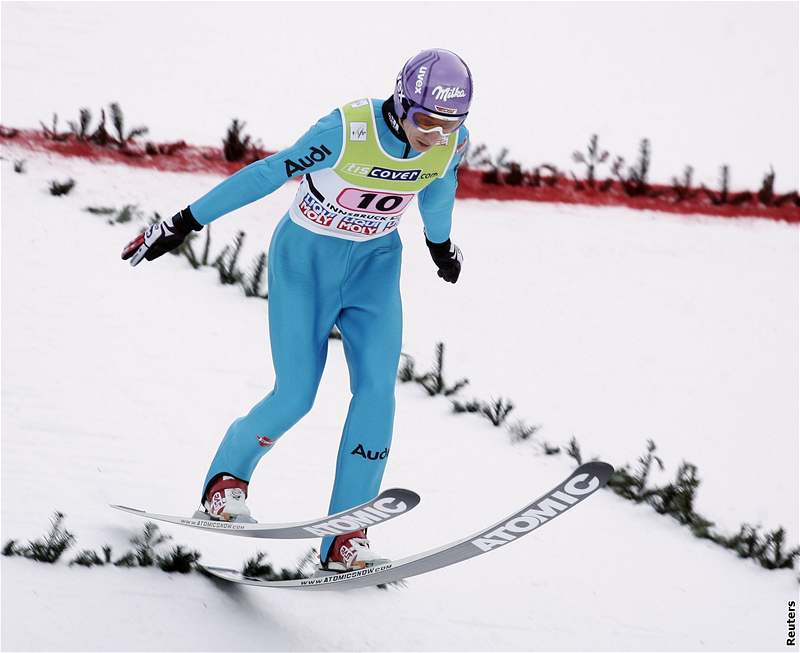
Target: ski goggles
point(427, 122)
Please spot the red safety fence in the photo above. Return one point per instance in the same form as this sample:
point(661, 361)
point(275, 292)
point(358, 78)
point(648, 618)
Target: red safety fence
point(473, 184)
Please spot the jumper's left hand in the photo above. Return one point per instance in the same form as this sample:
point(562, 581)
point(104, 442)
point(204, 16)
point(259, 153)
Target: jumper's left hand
point(447, 257)
point(160, 238)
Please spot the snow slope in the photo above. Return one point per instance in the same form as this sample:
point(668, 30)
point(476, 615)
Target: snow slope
point(631, 327)
point(707, 83)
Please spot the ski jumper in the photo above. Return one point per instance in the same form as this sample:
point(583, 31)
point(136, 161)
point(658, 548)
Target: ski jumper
point(334, 259)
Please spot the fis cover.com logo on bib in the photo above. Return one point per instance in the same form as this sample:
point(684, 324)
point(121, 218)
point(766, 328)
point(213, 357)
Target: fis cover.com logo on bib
point(394, 175)
point(377, 172)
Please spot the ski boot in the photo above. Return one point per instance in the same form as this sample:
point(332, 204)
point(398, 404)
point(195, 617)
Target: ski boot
point(351, 551)
point(225, 500)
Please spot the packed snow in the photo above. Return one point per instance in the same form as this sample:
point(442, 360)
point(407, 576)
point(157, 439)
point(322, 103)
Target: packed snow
point(119, 382)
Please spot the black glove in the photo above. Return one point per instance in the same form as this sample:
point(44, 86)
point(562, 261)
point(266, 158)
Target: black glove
point(161, 237)
point(447, 257)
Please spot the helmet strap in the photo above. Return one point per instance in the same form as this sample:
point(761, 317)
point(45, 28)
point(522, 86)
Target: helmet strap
point(406, 108)
point(393, 121)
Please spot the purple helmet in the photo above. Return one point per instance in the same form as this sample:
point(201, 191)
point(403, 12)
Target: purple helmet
point(437, 81)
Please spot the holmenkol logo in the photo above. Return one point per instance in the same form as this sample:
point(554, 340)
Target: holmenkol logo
point(395, 125)
point(378, 510)
point(553, 504)
point(394, 175)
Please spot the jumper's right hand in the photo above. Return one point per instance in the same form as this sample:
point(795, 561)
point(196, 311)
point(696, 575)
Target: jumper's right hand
point(161, 237)
point(448, 259)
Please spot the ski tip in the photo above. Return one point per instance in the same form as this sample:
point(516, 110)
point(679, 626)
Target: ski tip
point(220, 573)
point(126, 508)
point(597, 468)
point(402, 493)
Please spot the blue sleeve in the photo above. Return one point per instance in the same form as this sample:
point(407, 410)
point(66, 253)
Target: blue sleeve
point(318, 148)
point(436, 200)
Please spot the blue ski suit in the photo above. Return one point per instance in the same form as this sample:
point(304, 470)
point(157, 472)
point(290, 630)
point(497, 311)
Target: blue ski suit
point(316, 281)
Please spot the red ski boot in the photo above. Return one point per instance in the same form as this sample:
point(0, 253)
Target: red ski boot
point(351, 551)
point(225, 499)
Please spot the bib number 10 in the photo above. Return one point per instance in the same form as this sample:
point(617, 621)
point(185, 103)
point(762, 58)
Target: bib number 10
point(358, 199)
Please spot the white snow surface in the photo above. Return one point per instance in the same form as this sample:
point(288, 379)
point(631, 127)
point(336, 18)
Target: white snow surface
point(611, 325)
point(708, 83)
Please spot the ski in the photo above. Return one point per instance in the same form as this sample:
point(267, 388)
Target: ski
point(581, 484)
point(387, 505)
